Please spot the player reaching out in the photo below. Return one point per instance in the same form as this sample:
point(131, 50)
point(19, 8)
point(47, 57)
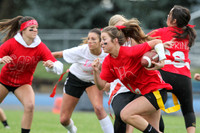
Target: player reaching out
point(21, 51)
point(80, 79)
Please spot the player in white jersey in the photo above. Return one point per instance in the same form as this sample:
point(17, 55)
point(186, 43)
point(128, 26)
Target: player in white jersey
point(80, 79)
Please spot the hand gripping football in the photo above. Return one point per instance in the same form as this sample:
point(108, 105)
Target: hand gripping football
point(148, 57)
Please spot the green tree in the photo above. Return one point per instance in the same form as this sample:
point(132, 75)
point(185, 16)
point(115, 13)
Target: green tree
point(67, 13)
point(11, 8)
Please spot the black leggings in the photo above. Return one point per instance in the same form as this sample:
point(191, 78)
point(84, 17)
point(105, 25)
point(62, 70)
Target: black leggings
point(182, 88)
point(118, 103)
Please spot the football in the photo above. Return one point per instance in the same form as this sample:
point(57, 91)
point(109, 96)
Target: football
point(148, 57)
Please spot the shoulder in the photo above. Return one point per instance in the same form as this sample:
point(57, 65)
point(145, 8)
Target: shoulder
point(42, 45)
point(158, 31)
point(10, 42)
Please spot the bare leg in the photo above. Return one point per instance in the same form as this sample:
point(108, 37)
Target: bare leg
point(133, 112)
point(26, 96)
point(67, 108)
point(129, 128)
point(68, 105)
point(96, 98)
point(2, 115)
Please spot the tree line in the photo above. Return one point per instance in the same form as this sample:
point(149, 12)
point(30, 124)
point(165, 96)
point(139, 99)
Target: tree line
point(87, 14)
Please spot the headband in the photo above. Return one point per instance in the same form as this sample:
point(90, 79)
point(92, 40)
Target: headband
point(119, 27)
point(27, 24)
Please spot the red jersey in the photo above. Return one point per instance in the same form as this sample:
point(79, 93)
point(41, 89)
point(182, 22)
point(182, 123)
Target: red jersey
point(128, 69)
point(20, 70)
point(177, 56)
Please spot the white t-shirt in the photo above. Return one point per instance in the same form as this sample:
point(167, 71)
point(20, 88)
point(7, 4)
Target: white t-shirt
point(81, 60)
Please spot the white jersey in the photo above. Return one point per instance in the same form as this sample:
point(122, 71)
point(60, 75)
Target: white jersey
point(122, 89)
point(81, 60)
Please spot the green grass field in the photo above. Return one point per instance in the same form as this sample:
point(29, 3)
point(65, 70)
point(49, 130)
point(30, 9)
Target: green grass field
point(47, 122)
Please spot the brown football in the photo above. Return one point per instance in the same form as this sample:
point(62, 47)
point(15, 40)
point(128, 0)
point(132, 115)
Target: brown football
point(148, 57)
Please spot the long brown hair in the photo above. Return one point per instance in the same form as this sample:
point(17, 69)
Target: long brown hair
point(182, 16)
point(132, 30)
point(10, 27)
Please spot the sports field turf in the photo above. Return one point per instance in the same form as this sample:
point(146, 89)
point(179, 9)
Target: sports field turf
point(47, 122)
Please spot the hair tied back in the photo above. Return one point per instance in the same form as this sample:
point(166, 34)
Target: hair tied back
point(119, 27)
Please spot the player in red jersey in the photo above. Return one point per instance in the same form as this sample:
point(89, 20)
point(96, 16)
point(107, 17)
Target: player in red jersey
point(177, 64)
point(21, 51)
point(119, 95)
point(124, 63)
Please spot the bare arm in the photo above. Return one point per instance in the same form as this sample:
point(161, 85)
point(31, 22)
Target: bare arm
point(154, 42)
point(58, 54)
point(197, 76)
point(96, 71)
point(5, 59)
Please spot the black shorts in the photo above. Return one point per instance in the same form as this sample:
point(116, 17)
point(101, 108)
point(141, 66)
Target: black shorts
point(74, 86)
point(9, 88)
point(152, 99)
point(121, 100)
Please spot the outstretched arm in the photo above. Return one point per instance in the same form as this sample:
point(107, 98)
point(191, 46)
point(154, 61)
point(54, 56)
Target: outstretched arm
point(58, 54)
point(100, 83)
point(55, 67)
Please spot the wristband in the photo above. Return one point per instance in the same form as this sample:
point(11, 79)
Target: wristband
point(160, 50)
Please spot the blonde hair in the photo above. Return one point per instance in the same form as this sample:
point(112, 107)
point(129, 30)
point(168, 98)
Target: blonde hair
point(116, 18)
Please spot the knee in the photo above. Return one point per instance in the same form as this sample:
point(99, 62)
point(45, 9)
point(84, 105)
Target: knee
point(64, 120)
point(125, 115)
point(29, 107)
point(99, 110)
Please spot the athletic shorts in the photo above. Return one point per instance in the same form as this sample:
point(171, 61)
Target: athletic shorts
point(152, 98)
point(74, 86)
point(121, 100)
point(9, 88)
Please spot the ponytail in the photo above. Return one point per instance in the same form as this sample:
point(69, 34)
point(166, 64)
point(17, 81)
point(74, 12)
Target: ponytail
point(9, 27)
point(134, 31)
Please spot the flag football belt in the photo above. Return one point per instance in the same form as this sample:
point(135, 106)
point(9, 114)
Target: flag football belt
point(161, 105)
point(54, 89)
point(117, 87)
